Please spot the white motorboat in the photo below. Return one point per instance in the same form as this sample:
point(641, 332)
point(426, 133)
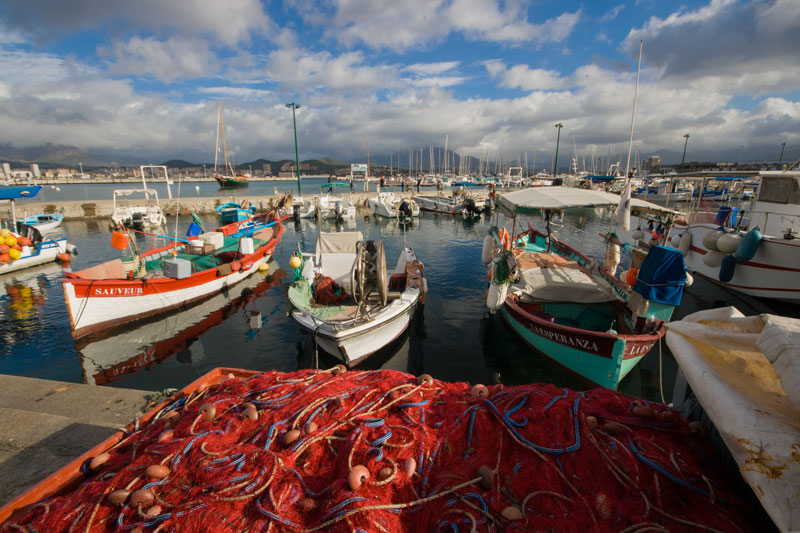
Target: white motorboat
point(663, 193)
point(388, 204)
point(349, 301)
point(140, 213)
point(44, 222)
point(332, 205)
point(440, 204)
point(303, 207)
point(756, 252)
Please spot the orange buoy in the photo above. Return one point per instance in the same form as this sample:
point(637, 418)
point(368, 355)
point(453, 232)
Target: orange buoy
point(631, 275)
point(236, 265)
point(505, 239)
point(5, 258)
point(64, 257)
point(119, 240)
point(357, 477)
point(479, 391)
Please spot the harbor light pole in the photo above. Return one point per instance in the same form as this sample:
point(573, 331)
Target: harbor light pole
point(294, 106)
point(558, 140)
point(783, 145)
point(684, 149)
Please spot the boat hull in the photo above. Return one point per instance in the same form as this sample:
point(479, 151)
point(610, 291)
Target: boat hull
point(353, 344)
point(773, 272)
point(46, 252)
point(599, 358)
point(230, 182)
point(438, 204)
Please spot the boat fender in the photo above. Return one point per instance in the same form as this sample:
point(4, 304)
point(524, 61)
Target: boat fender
point(729, 242)
point(685, 243)
point(496, 296)
point(749, 245)
point(689, 280)
point(713, 258)
point(637, 234)
point(630, 276)
point(727, 268)
point(612, 258)
point(710, 239)
point(487, 252)
point(72, 249)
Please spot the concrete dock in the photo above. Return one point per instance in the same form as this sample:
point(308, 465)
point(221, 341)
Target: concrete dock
point(46, 424)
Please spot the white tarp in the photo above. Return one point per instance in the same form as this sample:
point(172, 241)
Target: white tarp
point(338, 242)
point(719, 353)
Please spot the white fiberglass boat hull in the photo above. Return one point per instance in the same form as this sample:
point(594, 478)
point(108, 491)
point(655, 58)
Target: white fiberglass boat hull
point(773, 272)
point(352, 344)
point(45, 252)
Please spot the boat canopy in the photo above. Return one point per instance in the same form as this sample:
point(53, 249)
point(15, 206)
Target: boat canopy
point(128, 192)
point(338, 242)
point(17, 192)
point(534, 200)
point(329, 187)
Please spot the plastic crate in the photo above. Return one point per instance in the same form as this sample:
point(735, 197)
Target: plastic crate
point(69, 476)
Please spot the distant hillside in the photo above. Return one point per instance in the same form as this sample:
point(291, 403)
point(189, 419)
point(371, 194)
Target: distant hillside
point(50, 155)
point(179, 163)
point(333, 162)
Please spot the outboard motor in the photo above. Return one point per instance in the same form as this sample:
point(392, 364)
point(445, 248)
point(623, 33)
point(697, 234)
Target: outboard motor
point(339, 209)
point(137, 221)
point(404, 211)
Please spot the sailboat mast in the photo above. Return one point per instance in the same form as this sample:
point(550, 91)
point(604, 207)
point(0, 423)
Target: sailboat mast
point(216, 150)
point(224, 146)
point(633, 114)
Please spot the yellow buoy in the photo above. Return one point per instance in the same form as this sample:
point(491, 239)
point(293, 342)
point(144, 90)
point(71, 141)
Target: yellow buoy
point(263, 267)
point(11, 240)
point(14, 254)
point(5, 232)
point(295, 261)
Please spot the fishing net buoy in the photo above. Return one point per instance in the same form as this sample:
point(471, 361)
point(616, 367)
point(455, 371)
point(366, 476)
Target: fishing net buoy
point(165, 436)
point(357, 477)
point(290, 436)
point(143, 497)
point(642, 410)
point(487, 477)
point(698, 427)
point(307, 504)
point(591, 422)
point(119, 497)
point(209, 411)
point(152, 512)
point(311, 427)
point(615, 428)
point(410, 466)
point(157, 471)
point(263, 267)
point(385, 472)
point(602, 505)
point(201, 388)
point(479, 391)
point(665, 416)
point(99, 461)
point(425, 379)
point(511, 513)
point(338, 369)
point(172, 417)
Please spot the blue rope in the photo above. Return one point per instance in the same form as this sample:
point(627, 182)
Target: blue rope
point(380, 453)
point(414, 404)
point(382, 439)
point(555, 399)
point(510, 424)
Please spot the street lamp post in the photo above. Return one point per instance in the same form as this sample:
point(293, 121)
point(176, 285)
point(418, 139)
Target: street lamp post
point(783, 145)
point(294, 106)
point(684, 149)
point(558, 140)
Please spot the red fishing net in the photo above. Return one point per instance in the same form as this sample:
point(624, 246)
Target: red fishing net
point(385, 451)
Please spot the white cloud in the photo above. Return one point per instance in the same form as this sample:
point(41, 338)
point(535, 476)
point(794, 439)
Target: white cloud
point(165, 60)
point(748, 46)
point(431, 69)
point(612, 13)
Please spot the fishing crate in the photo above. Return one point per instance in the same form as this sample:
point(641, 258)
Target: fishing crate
point(200, 248)
point(70, 476)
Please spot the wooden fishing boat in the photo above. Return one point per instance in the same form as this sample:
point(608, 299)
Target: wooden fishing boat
point(565, 306)
point(149, 283)
point(226, 177)
point(347, 298)
point(27, 246)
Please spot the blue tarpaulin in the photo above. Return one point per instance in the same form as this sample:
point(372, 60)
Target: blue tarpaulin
point(15, 193)
point(661, 277)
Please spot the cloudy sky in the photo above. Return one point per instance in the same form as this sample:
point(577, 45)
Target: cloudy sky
point(144, 78)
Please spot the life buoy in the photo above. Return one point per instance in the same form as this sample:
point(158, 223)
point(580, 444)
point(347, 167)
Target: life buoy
point(505, 239)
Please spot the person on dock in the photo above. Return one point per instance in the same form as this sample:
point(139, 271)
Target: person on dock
point(419, 182)
point(402, 185)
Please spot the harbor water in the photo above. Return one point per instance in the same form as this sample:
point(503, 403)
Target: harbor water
point(452, 337)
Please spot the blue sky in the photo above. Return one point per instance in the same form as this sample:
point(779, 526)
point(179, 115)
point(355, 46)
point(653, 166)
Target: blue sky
point(144, 78)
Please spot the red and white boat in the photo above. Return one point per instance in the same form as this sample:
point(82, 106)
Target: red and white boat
point(773, 271)
point(124, 290)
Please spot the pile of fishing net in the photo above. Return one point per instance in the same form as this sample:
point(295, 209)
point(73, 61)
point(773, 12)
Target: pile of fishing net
point(385, 451)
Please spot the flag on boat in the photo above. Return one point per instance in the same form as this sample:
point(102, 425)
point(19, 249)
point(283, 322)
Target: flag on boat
point(623, 213)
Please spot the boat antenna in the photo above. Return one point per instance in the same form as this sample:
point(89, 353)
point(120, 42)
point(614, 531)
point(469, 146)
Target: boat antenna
point(178, 208)
point(633, 116)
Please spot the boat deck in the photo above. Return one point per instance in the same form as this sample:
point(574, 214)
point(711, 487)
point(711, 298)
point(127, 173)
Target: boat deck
point(203, 262)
